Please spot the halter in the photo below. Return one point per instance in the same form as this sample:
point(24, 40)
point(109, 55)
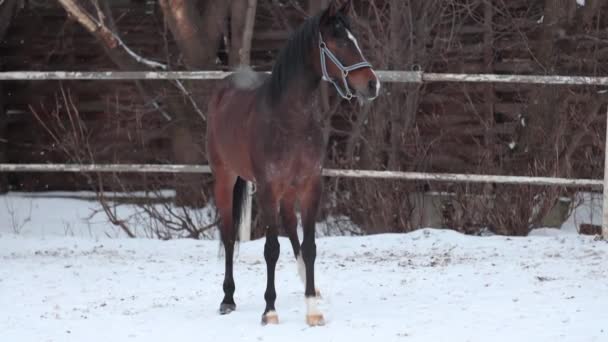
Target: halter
point(346, 94)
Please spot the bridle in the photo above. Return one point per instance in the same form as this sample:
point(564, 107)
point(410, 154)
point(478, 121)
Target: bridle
point(346, 94)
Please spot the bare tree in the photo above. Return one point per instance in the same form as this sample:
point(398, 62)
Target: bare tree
point(197, 37)
point(152, 213)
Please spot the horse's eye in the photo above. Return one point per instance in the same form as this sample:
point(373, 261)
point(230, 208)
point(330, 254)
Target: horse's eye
point(337, 28)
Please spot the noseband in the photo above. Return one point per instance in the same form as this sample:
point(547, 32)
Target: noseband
point(346, 94)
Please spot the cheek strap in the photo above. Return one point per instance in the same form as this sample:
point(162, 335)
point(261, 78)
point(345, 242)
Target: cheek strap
point(345, 93)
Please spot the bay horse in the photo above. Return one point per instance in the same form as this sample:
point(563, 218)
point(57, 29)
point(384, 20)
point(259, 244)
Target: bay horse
point(262, 128)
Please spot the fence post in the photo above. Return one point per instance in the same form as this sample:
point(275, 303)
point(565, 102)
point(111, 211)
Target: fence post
point(245, 226)
point(605, 199)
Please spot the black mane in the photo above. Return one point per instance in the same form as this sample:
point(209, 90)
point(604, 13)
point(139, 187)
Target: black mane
point(293, 58)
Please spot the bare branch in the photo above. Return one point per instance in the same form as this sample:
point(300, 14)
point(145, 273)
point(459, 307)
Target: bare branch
point(102, 32)
point(185, 91)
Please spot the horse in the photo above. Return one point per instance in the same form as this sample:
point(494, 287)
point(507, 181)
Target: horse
point(261, 128)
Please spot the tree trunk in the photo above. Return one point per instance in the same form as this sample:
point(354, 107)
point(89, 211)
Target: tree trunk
point(237, 27)
point(241, 27)
point(8, 8)
point(198, 39)
point(245, 51)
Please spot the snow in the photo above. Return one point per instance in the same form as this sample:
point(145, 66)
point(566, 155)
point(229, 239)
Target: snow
point(77, 214)
point(588, 210)
point(429, 285)
point(73, 214)
point(56, 215)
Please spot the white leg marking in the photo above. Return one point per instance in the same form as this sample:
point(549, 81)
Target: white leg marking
point(311, 306)
point(301, 268)
point(270, 317)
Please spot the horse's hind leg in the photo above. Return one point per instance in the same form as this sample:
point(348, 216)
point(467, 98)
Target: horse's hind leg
point(223, 188)
point(309, 202)
point(270, 218)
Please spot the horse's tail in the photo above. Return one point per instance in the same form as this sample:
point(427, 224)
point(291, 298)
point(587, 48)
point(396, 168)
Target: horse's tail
point(244, 77)
point(239, 196)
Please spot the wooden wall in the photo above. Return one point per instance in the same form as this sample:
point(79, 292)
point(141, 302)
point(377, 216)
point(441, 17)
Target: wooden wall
point(467, 122)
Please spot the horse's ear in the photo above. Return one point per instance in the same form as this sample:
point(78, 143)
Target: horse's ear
point(330, 11)
point(346, 7)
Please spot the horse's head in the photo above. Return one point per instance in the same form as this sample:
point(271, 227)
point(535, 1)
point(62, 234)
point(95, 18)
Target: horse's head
point(341, 60)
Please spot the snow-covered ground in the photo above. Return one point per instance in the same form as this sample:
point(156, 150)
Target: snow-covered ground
point(65, 278)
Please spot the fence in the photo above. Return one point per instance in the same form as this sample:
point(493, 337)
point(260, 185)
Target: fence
point(385, 76)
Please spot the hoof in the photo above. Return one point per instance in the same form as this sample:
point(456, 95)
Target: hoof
point(270, 317)
point(315, 320)
point(226, 308)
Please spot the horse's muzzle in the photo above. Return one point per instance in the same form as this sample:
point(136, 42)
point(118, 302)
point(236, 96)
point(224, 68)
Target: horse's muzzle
point(368, 91)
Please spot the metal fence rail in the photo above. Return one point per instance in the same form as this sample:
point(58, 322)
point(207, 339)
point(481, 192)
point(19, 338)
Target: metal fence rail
point(384, 75)
point(402, 175)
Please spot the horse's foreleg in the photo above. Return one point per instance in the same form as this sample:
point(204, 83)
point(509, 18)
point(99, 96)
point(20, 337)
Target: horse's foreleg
point(309, 203)
point(290, 223)
point(223, 188)
point(272, 249)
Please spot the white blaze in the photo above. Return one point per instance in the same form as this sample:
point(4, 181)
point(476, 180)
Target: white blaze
point(354, 40)
point(377, 83)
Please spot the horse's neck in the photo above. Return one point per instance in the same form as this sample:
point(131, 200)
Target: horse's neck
point(299, 101)
point(298, 113)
